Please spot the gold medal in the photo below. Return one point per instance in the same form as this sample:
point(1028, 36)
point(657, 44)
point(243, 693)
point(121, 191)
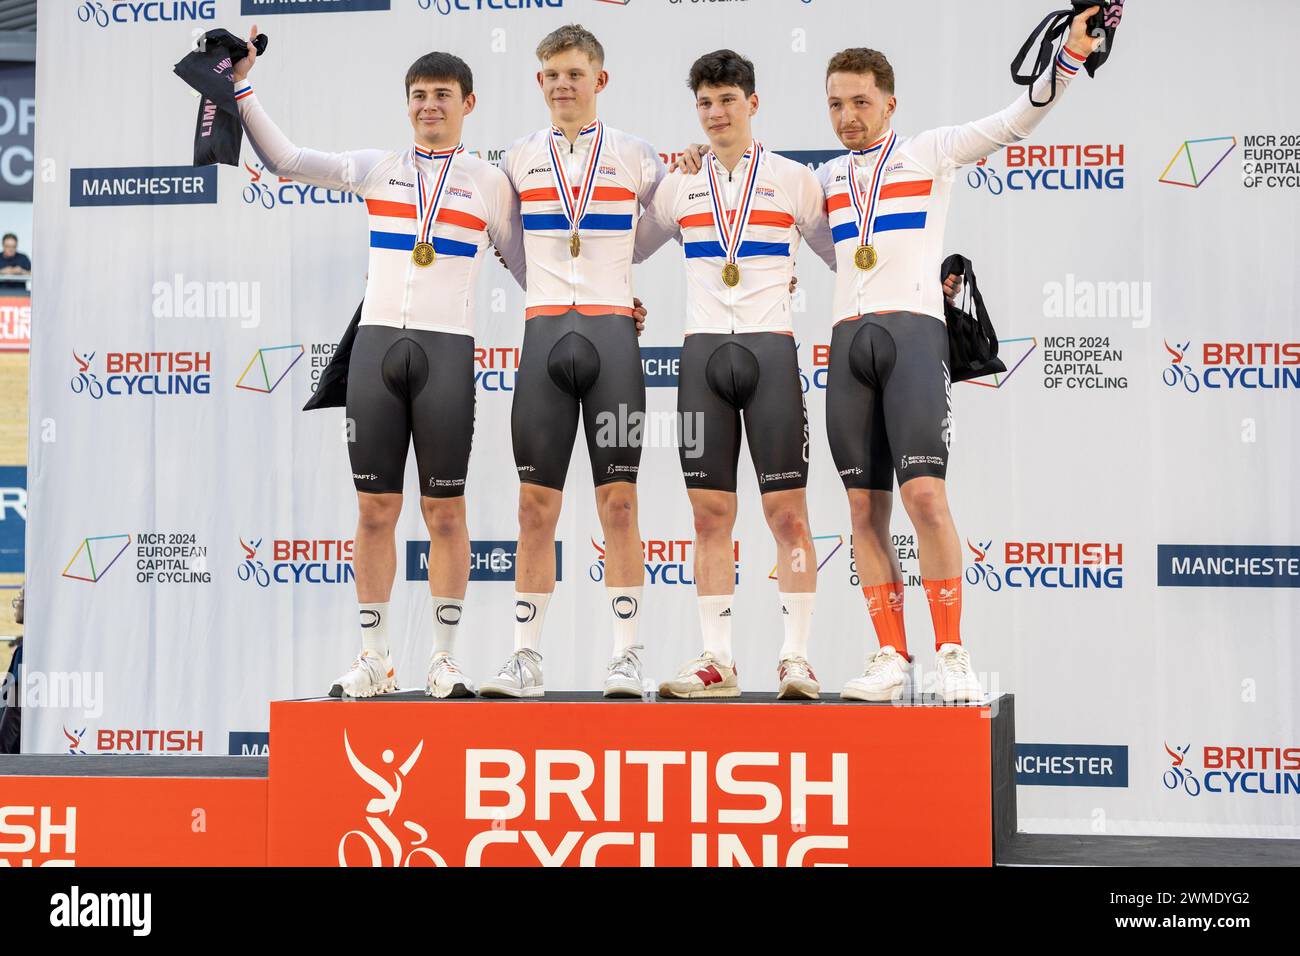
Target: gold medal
point(731, 275)
point(575, 245)
point(423, 254)
point(865, 258)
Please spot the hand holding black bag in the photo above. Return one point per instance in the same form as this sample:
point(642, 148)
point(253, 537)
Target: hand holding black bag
point(1054, 27)
point(209, 68)
point(972, 340)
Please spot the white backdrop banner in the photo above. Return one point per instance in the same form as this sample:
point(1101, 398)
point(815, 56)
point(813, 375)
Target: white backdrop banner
point(1124, 493)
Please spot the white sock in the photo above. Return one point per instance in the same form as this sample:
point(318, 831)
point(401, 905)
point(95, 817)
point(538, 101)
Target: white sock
point(715, 622)
point(446, 621)
point(796, 613)
point(374, 628)
point(625, 605)
point(530, 611)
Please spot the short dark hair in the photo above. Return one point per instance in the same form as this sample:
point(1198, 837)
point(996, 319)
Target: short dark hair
point(861, 60)
point(722, 68)
point(441, 66)
point(9, 235)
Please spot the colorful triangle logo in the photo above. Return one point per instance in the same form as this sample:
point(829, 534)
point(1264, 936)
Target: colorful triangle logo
point(268, 367)
point(1196, 159)
point(94, 556)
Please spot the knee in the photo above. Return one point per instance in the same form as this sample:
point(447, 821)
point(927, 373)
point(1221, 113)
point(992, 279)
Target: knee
point(618, 510)
point(444, 517)
point(926, 503)
point(378, 514)
point(713, 518)
point(788, 524)
point(536, 513)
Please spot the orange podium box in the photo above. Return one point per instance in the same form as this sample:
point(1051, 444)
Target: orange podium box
point(574, 780)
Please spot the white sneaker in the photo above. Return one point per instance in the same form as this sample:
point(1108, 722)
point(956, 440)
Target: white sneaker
point(798, 682)
point(706, 676)
point(520, 676)
point(954, 679)
point(624, 677)
point(369, 676)
point(887, 677)
point(445, 678)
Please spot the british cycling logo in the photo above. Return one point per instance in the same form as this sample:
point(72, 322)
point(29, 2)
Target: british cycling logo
point(1257, 771)
point(74, 740)
point(1231, 365)
point(447, 7)
point(156, 11)
point(285, 192)
point(495, 368)
point(95, 556)
point(1058, 167)
point(1092, 565)
point(667, 560)
point(388, 785)
point(297, 561)
point(268, 368)
point(142, 374)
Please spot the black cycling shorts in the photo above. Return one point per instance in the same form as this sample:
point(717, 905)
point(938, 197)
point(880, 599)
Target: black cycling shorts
point(889, 399)
point(720, 377)
point(574, 360)
point(404, 384)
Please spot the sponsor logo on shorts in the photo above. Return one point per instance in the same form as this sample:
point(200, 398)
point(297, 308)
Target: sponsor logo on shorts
point(779, 476)
point(446, 482)
point(365, 477)
point(850, 471)
point(915, 461)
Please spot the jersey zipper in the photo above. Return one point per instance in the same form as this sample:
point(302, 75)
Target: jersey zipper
point(573, 261)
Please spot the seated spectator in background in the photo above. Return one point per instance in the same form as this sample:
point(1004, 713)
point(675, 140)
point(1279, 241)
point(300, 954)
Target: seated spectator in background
point(13, 262)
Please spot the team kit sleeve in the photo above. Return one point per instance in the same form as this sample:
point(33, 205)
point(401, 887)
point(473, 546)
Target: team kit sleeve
point(505, 228)
point(949, 147)
point(658, 223)
point(810, 215)
point(345, 171)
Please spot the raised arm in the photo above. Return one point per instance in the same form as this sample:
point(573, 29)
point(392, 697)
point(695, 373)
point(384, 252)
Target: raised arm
point(346, 171)
point(953, 146)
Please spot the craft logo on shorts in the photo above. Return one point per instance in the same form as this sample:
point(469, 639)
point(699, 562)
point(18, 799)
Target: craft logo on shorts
point(1058, 167)
point(1231, 365)
point(667, 561)
point(1227, 566)
point(821, 360)
point(143, 186)
point(661, 365)
point(1071, 765)
point(251, 8)
point(447, 7)
point(269, 366)
point(250, 743)
point(261, 191)
point(488, 560)
point(102, 13)
point(141, 374)
point(1092, 565)
point(296, 561)
point(1267, 771)
point(495, 368)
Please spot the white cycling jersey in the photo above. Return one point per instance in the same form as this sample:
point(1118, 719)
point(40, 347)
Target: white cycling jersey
point(599, 278)
point(912, 205)
point(786, 203)
point(475, 207)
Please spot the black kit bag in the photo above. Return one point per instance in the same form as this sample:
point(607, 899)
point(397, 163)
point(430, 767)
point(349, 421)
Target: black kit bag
point(332, 389)
point(209, 68)
point(972, 340)
point(1056, 26)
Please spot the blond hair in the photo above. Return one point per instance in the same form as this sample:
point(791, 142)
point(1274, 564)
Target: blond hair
point(571, 36)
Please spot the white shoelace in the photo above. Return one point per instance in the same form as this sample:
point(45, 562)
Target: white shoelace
point(878, 664)
point(956, 662)
point(514, 667)
point(797, 667)
point(626, 664)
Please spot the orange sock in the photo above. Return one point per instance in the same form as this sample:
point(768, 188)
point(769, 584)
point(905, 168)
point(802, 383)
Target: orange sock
point(885, 605)
point(945, 609)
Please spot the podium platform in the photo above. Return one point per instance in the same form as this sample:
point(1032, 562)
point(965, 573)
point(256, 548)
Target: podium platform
point(573, 779)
